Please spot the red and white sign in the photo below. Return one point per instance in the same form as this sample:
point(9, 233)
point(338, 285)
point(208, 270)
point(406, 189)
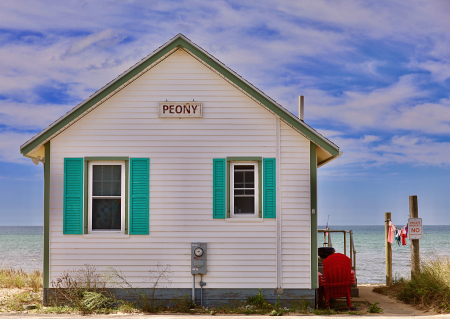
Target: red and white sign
point(180, 109)
point(415, 228)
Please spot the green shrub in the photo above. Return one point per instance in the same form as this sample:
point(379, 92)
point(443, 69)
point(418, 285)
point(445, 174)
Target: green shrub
point(73, 289)
point(58, 309)
point(259, 302)
point(17, 301)
point(302, 306)
point(184, 304)
point(324, 312)
point(157, 278)
point(95, 301)
point(127, 307)
point(277, 310)
point(374, 308)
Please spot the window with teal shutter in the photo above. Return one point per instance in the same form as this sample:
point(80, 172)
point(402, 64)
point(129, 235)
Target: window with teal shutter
point(139, 196)
point(219, 188)
point(73, 196)
point(248, 185)
point(269, 188)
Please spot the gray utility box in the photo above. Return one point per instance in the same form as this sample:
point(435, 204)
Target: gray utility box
point(198, 258)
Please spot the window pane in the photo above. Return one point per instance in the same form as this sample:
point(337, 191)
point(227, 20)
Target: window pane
point(116, 188)
point(249, 179)
point(244, 205)
point(97, 188)
point(97, 173)
point(244, 176)
point(106, 180)
point(106, 214)
point(116, 176)
point(238, 179)
point(107, 172)
point(106, 188)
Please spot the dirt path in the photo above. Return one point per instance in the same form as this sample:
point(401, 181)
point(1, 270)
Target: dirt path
point(389, 305)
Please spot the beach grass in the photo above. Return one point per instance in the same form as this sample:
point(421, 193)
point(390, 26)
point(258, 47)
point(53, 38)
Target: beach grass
point(429, 288)
point(17, 278)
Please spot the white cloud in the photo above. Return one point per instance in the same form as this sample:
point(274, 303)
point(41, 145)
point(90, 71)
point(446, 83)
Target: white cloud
point(10, 147)
point(431, 118)
point(330, 133)
point(440, 70)
point(28, 116)
point(371, 109)
point(270, 43)
point(362, 154)
point(107, 35)
point(368, 67)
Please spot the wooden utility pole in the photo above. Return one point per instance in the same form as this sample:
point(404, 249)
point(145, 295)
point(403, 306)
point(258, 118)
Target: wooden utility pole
point(415, 256)
point(387, 219)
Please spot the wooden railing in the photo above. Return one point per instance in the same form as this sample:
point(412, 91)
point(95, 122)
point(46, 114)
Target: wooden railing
point(328, 243)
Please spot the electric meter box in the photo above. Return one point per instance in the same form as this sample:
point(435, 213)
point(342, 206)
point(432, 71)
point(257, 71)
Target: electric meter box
point(198, 258)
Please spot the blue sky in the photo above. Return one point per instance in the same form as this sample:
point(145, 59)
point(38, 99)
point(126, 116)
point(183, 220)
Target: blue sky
point(375, 75)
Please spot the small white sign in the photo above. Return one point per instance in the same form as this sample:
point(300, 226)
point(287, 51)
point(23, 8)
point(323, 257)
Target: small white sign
point(180, 109)
point(415, 228)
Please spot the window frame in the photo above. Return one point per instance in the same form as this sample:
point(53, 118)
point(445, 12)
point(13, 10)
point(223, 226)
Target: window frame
point(91, 197)
point(244, 160)
point(255, 194)
point(87, 199)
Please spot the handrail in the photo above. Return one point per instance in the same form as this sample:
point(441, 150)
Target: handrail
point(352, 243)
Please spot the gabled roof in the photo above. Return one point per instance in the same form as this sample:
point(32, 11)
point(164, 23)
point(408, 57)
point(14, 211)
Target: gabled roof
point(328, 150)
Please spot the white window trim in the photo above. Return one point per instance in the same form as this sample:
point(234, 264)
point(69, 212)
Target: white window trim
point(122, 197)
point(256, 183)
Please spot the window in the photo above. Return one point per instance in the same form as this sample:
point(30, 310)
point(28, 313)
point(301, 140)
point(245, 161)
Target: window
point(119, 193)
point(244, 189)
point(106, 196)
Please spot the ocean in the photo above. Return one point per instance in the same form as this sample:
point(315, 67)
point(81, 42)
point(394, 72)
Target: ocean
point(22, 247)
point(370, 250)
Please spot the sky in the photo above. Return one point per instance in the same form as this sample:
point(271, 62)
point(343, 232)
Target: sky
point(375, 76)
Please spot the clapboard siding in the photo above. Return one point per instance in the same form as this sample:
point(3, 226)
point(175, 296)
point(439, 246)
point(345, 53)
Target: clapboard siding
point(295, 203)
point(240, 255)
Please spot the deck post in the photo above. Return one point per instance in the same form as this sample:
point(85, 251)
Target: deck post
point(415, 255)
point(387, 219)
point(345, 243)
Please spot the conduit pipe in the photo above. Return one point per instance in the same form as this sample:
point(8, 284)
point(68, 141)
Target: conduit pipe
point(278, 205)
point(193, 288)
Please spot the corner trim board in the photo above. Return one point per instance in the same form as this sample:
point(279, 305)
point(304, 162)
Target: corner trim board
point(313, 214)
point(46, 268)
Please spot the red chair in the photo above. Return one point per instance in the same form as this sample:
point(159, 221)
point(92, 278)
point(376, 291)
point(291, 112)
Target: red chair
point(337, 279)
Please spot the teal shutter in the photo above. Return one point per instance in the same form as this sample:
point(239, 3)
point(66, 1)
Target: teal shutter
point(73, 196)
point(219, 187)
point(269, 188)
point(139, 196)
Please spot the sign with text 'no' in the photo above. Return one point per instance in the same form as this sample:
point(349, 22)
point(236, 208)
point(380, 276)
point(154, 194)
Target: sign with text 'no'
point(180, 109)
point(415, 228)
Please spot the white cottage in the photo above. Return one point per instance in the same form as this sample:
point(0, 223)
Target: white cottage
point(178, 150)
